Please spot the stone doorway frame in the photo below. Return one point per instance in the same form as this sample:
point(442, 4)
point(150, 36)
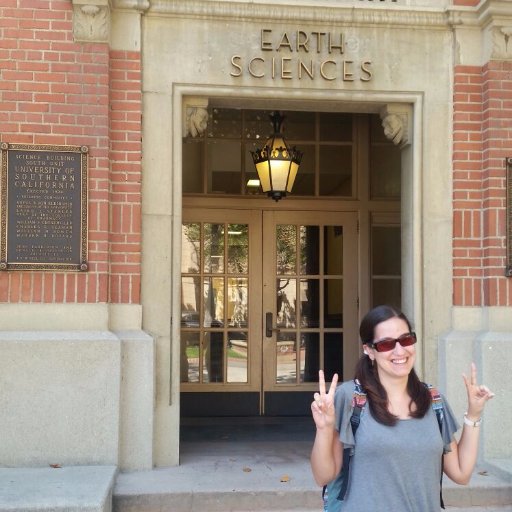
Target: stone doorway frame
point(162, 213)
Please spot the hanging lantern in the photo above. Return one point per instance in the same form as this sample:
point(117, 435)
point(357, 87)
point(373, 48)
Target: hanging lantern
point(276, 163)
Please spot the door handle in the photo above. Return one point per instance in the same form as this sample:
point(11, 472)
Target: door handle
point(268, 325)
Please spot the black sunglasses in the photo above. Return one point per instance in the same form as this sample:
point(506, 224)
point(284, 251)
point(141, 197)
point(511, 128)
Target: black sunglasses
point(387, 344)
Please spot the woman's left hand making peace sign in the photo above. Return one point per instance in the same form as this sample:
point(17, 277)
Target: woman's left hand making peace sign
point(478, 394)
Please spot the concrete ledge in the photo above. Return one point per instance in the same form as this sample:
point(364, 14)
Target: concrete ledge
point(486, 488)
point(67, 489)
point(502, 468)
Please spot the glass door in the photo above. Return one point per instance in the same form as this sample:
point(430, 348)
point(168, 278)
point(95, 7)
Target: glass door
point(267, 299)
point(309, 304)
point(220, 312)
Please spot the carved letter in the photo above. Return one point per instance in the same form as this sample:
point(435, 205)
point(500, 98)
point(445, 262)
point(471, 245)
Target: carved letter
point(302, 41)
point(235, 65)
point(252, 72)
point(322, 69)
point(265, 45)
point(365, 68)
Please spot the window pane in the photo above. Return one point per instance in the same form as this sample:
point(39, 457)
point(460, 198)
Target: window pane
point(309, 356)
point(376, 129)
point(305, 181)
point(213, 302)
point(336, 171)
point(309, 250)
point(189, 368)
point(250, 169)
point(333, 303)
point(286, 250)
point(238, 302)
point(213, 357)
point(237, 356)
point(386, 291)
point(333, 355)
point(214, 248)
point(385, 171)
point(286, 300)
point(224, 123)
point(192, 174)
point(238, 248)
point(309, 302)
point(386, 251)
point(299, 126)
point(190, 301)
point(190, 248)
point(257, 125)
point(335, 127)
point(286, 358)
point(333, 253)
point(224, 167)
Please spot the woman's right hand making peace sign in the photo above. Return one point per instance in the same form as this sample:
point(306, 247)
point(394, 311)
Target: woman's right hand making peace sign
point(323, 404)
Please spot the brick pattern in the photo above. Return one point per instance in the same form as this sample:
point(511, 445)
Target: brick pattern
point(125, 185)
point(56, 91)
point(482, 139)
point(468, 3)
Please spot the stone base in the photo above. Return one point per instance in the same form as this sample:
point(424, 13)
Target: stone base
point(67, 489)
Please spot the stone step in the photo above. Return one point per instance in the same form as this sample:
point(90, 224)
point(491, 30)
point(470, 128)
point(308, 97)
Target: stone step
point(59, 489)
point(448, 509)
point(238, 484)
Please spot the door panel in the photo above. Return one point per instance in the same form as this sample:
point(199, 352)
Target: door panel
point(221, 301)
point(310, 291)
point(266, 301)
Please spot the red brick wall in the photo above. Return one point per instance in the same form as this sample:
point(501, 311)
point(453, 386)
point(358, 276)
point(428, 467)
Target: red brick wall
point(470, 3)
point(482, 140)
point(125, 176)
point(56, 91)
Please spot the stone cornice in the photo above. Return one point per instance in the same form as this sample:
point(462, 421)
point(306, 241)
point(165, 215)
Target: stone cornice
point(322, 12)
point(486, 12)
point(302, 12)
point(136, 5)
point(492, 10)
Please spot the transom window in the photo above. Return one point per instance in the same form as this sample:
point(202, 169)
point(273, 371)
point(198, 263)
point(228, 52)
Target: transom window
point(220, 163)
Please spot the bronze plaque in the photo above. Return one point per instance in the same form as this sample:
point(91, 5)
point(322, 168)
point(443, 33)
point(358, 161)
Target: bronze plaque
point(43, 207)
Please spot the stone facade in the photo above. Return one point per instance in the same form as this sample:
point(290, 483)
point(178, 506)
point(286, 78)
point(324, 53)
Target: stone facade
point(129, 79)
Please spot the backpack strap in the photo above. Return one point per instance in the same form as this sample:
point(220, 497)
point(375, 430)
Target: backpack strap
point(437, 406)
point(358, 403)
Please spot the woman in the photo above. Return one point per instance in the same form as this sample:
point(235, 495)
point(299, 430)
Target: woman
point(398, 446)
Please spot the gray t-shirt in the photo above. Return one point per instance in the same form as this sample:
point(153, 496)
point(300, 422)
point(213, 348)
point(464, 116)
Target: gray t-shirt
point(393, 468)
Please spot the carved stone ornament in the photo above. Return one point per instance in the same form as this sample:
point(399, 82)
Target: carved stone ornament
point(91, 22)
point(395, 122)
point(195, 116)
point(502, 42)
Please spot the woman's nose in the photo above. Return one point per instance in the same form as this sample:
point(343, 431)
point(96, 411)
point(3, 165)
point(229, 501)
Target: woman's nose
point(398, 348)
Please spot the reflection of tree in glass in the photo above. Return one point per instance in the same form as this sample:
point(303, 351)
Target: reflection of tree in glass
point(238, 292)
point(285, 309)
point(213, 247)
point(238, 245)
point(190, 240)
point(286, 246)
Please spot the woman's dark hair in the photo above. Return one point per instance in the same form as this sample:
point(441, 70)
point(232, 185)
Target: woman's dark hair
point(368, 376)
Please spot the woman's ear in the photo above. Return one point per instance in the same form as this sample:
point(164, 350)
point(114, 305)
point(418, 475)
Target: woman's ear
point(366, 350)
